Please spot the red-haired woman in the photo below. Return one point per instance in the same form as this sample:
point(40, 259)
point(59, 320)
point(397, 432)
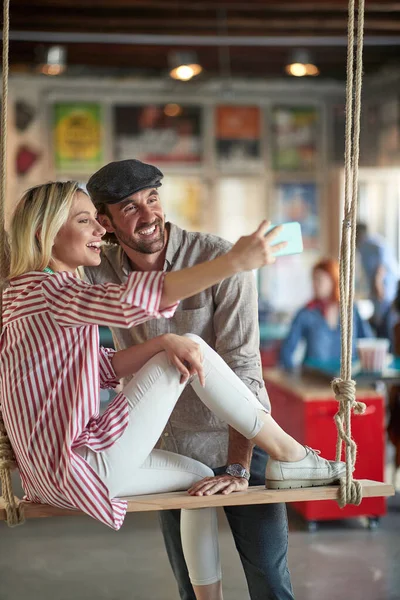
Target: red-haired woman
point(318, 324)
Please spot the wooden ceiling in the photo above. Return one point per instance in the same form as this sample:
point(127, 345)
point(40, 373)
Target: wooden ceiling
point(128, 34)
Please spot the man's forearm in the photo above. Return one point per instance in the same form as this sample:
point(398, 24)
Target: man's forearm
point(240, 449)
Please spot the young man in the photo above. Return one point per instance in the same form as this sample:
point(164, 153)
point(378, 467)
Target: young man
point(226, 317)
point(381, 271)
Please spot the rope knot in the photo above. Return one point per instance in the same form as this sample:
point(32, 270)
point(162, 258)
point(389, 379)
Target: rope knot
point(7, 458)
point(350, 491)
point(345, 391)
point(14, 509)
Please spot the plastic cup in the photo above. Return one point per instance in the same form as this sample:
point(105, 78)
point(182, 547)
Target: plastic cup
point(373, 354)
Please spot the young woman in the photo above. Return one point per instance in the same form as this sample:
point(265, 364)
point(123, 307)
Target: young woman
point(318, 324)
point(52, 369)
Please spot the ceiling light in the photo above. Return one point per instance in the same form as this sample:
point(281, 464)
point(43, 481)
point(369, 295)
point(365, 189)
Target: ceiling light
point(52, 60)
point(184, 65)
point(300, 64)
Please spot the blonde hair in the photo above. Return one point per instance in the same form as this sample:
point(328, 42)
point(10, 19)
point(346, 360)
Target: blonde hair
point(37, 219)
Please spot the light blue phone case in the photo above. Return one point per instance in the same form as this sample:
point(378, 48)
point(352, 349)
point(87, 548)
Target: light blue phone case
point(291, 233)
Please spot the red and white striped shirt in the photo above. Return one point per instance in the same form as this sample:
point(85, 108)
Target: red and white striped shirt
point(51, 373)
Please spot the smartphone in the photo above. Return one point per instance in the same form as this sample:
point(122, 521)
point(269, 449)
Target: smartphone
point(290, 233)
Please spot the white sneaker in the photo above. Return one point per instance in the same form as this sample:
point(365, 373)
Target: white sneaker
point(310, 471)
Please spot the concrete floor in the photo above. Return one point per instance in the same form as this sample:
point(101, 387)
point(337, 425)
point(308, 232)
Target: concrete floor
point(77, 558)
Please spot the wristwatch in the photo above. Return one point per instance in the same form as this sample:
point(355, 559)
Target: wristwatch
point(237, 470)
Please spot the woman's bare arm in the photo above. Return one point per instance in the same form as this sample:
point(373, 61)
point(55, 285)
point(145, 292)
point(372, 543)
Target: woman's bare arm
point(250, 252)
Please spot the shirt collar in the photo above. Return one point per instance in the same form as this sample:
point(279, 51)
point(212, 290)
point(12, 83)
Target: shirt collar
point(29, 275)
point(123, 262)
point(173, 245)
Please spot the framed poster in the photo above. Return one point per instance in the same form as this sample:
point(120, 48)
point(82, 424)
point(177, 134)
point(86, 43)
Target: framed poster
point(181, 197)
point(389, 134)
point(237, 134)
point(158, 133)
point(295, 138)
point(78, 136)
point(369, 134)
point(338, 133)
point(380, 133)
point(298, 202)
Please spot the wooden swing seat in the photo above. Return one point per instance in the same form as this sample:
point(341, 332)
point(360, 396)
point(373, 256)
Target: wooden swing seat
point(173, 500)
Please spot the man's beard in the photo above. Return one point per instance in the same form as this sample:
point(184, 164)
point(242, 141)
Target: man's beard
point(142, 245)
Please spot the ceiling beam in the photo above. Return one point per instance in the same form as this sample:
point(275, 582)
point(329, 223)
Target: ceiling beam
point(195, 40)
point(178, 5)
point(73, 22)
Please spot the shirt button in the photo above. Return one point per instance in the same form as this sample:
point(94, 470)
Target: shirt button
point(166, 434)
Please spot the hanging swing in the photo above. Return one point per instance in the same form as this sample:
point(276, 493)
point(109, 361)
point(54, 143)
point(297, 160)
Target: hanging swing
point(14, 511)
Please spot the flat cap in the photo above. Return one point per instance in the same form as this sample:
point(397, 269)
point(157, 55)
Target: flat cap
point(118, 180)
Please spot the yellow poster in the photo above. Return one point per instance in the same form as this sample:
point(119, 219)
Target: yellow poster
point(78, 136)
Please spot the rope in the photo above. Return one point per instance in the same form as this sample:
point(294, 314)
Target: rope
point(14, 510)
point(3, 258)
point(344, 387)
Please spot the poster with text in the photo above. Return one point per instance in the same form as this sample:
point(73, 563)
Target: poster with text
point(295, 138)
point(238, 132)
point(389, 133)
point(298, 202)
point(182, 201)
point(338, 133)
point(158, 134)
point(77, 136)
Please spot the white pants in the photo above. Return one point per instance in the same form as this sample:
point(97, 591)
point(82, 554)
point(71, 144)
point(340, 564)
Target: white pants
point(131, 466)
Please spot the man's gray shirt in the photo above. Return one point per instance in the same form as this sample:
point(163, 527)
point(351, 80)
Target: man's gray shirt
point(225, 316)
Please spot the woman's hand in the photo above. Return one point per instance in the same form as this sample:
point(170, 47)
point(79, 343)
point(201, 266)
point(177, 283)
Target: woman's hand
point(185, 354)
point(255, 250)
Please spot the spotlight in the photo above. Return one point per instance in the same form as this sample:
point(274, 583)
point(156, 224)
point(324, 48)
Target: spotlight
point(52, 60)
point(184, 65)
point(300, 64)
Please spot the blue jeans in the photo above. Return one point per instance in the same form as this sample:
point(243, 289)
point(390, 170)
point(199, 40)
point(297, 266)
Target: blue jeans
point(261, 537)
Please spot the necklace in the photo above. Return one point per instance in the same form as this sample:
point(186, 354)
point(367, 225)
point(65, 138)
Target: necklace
point(48, 270)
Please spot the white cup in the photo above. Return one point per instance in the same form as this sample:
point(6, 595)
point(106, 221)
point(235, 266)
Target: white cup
point(373, 354)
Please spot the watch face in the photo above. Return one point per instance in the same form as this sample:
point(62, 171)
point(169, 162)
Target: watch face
point(236, 470)
point(239, 471)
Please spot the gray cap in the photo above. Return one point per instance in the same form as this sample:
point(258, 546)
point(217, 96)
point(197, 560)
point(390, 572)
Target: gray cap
point(118, 180)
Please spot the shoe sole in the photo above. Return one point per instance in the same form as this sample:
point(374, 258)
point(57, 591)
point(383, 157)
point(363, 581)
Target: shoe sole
point(295, 484)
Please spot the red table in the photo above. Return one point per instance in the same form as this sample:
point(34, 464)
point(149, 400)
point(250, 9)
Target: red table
point(304, 406)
